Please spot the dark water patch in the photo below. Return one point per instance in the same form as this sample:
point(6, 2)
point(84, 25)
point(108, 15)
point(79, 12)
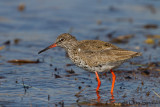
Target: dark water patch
point(2, 77)
point(128, 77)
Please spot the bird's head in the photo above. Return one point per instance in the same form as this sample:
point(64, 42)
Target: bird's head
point(64, 40)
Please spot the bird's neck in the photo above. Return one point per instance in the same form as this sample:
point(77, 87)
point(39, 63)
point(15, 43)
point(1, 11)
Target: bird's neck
point(70, 45)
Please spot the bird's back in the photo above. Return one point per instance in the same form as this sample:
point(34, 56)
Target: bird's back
point(95, 45)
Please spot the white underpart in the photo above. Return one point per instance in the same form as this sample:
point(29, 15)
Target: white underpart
point(102, 68)
point(105, 67)
point(109, 48)
point(79, 49)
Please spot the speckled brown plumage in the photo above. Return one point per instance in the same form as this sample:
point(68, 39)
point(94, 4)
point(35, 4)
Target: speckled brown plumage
point(93, 55)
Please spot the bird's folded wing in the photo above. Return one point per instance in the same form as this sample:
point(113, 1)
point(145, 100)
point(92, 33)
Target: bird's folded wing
point(94, 58)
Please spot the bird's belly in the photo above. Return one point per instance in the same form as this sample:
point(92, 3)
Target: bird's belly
point(100, 68)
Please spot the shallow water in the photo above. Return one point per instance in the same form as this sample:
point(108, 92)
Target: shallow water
point(48, 83)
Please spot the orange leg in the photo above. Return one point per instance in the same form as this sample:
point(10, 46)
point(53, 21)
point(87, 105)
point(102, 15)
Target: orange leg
point(99, 82)
point(113, 80)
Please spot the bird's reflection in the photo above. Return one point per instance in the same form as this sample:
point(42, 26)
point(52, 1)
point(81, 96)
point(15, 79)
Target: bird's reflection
point(112, 99)
point(98, 96)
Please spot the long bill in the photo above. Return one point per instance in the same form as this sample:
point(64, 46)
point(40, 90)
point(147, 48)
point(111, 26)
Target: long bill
point(49, 47)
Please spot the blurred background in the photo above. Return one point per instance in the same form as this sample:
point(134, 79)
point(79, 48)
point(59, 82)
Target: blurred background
point(29, 79)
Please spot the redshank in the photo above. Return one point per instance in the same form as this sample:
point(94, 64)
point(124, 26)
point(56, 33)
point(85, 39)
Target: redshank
point(93, 55)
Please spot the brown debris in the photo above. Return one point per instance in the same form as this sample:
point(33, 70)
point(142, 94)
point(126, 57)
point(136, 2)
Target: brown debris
point(122, 39)
point(69, 64)
point(142, 83)
point(146, 68)
point(70, 71)
point(57, 76)
point(16, 41)
point(146, 72)
point(22, 61)
point(21, 7)
point(150, 26)
point(157, 69)
point(124, 96)
point(153, 36)
point(148, 93)
point(154, 64)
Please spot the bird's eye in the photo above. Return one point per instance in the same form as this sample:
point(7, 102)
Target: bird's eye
point(61, 40)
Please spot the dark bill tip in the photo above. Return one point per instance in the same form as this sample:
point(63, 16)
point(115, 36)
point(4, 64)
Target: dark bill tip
point(51, 46)
point(43, 50)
